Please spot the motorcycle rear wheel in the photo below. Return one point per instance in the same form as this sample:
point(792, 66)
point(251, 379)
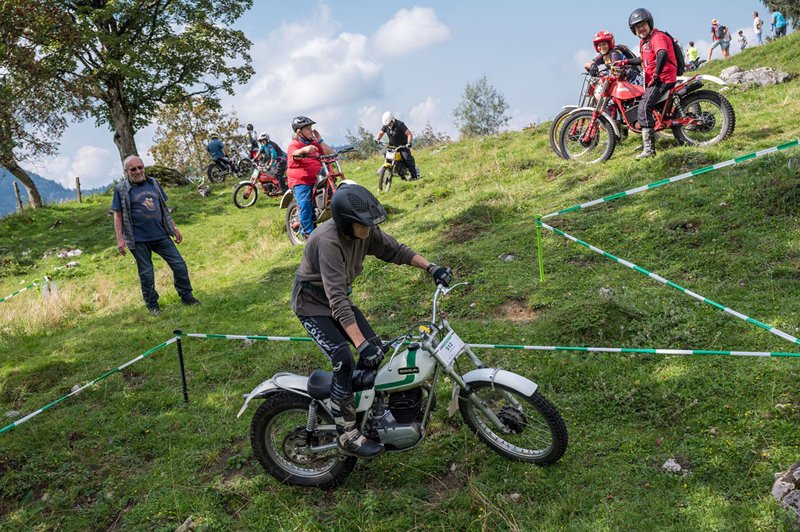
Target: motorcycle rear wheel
point(538, 434)
point(716, 112)
point(293, 228)
point(385, 180)
point(555, 129)
point(278, 438)
point(245, 195)
point(601, 145)
point(216, 173)
point(246, 168)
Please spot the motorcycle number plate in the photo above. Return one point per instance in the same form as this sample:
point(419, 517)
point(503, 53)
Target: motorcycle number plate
point(450, 348)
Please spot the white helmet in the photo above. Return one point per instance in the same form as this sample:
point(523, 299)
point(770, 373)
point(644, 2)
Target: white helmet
point(387, 118)
point(264, 136)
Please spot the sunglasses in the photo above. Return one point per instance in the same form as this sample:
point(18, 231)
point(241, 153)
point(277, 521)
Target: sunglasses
point(135, 168)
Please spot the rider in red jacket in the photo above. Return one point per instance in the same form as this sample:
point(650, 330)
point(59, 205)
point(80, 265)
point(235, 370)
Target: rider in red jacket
point(660, 72)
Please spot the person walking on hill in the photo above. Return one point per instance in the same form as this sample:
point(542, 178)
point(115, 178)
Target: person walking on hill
point(758, 24)
point(332, 259)
point(742, 40)
point(399, 135)
point(719, 37)
point(657, 55)
point(304, 165)
point(778, 24)
point(144, 225)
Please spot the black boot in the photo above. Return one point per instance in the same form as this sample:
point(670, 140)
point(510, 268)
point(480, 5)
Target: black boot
point(350, 440)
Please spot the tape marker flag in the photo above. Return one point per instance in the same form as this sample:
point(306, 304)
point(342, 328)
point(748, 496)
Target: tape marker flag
point(656, 277)
point(98, 379)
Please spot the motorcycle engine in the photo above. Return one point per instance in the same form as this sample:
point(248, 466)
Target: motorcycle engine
point(400, 426)
point(631, 114)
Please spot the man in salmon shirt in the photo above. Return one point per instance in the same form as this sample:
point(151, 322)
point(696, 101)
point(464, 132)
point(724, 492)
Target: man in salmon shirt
point(657, 56)
point(304, 165)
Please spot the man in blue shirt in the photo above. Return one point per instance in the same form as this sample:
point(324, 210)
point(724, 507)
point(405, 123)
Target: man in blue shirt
point(144, 225)
point(217, 151)
point(778, 24)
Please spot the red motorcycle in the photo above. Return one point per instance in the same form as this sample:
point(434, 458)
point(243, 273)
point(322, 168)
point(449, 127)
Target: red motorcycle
point(246, 192)
point(321, 195)
point(696, 117)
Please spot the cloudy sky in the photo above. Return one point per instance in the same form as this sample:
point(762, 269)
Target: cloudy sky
point(345, 63)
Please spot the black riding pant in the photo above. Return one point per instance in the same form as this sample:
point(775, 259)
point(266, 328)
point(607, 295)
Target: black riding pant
point(649, 102)
point(408, 159)
point(334, 342)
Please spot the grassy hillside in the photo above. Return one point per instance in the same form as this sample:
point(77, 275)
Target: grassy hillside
point(128, 454)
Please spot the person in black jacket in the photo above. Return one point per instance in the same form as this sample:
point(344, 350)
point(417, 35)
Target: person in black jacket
point(399, 135)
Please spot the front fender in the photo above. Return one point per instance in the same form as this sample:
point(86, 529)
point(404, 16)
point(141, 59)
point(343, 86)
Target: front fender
point(565, 107)
point(281, 381)
point(500, 376)
point(604, 115)
point(286, 199)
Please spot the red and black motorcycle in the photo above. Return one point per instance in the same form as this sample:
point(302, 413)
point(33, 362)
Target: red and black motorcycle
point(246, 192)
point(696, 117)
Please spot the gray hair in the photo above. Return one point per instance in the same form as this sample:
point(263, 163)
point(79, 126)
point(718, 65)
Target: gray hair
point(127, 160)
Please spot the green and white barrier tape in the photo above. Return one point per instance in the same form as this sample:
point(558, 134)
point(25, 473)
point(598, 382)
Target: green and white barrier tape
point(98, 379)
point(636, 350)
point(19, 291)
point(674, 179)
point(250, 337)
point(773, 330)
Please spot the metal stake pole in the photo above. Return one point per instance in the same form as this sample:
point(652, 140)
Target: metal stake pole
point(178, 334)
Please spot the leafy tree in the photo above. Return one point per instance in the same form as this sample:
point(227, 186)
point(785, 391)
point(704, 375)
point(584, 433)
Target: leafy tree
point(430, 137)
point(790, 9)
point(363, 141)
point(32, 101)
point(481, 111)
point(183, 133)
point(130, 56)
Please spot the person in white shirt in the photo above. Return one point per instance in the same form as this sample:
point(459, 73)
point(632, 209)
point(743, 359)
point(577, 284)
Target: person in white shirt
point(757, 24)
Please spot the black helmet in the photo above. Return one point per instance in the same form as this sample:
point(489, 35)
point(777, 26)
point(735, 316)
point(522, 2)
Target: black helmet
point(354, 203)
point(300, 122)
point(640, 15)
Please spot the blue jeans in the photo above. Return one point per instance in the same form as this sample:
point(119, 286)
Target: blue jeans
point(758, 36)
point(302, 194)
point(165, 247)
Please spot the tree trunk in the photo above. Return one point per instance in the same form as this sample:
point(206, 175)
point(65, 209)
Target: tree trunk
point(120, 121)
point(34, 198)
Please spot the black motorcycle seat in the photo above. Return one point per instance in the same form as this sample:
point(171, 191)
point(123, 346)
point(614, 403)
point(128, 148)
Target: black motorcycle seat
point(319, 383)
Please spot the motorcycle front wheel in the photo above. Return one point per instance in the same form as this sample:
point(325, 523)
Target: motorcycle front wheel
point(716, 119)
point(555, 129)
point(216, 174)
point(536, 432)
point(279, 441)
point(245, 195)
point(579, 126)
point(385, 180)
point(293, 227)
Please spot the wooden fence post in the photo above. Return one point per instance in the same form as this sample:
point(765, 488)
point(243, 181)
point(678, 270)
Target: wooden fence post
point(20, 209)
point(78, 189)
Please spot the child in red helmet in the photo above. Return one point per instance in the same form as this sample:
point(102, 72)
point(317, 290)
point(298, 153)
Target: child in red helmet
point(609, 52)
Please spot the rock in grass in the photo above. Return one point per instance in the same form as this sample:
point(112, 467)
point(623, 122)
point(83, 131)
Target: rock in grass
point(186, 526)
point(759, 77)
point(13, 413)
point(786, 490)
point(672, 466)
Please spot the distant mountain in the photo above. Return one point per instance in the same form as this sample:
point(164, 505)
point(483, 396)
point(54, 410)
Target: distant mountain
point(51, 191)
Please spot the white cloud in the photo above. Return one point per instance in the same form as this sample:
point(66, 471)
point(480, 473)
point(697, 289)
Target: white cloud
point(94, 165)
point(426, 111)
point(581, 57)
point(410, 30)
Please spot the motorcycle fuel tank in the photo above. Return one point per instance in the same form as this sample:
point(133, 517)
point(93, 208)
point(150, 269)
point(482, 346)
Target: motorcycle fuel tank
point(406, 370)
point(627, 91)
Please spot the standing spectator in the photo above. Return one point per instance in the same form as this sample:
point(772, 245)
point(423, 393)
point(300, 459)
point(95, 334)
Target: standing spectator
point(143, 225)
point(304, 165)
point(692, 55)
point(742, 41)
point(720, 37)
point(778, 24)
point(757, 25)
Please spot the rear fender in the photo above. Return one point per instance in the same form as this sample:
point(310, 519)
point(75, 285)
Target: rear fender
point(279, 382)
point(569, 107)
point(604, 115)
point(702, 77)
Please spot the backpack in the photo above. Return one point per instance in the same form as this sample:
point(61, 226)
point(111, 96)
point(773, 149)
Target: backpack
point(624, 50)
point(720, 31)
point(680, 64)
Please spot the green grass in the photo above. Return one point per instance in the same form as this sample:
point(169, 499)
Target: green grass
point(128, 454)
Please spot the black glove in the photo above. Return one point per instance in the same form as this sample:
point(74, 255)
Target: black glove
point(655, 81)
point(441, 274)
point(594, 70)
point(370, 355)
point(408, 145)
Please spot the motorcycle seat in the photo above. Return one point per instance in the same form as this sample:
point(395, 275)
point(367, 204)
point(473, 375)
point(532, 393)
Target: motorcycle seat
point(319, 383)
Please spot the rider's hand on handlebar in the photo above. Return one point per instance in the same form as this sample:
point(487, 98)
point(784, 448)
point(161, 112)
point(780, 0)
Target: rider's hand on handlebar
point(594, 70)
point(441, 274)
point(370, 355)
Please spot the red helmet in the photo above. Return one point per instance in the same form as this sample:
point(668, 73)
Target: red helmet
point(603, 36)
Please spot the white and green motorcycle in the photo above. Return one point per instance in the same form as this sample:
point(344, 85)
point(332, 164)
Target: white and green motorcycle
point(294, 436)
